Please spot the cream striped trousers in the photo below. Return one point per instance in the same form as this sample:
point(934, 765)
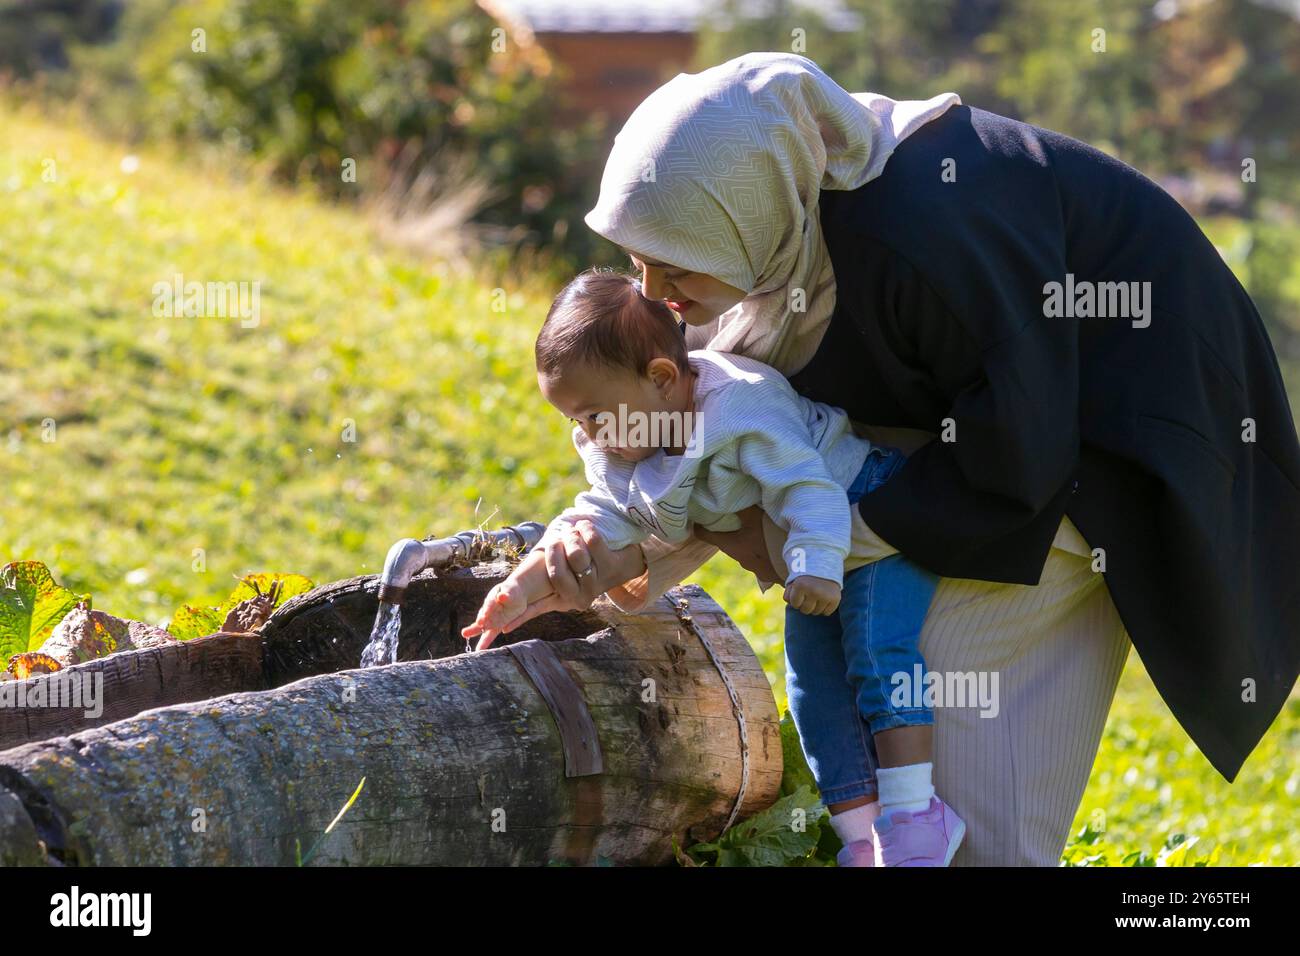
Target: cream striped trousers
point(1058, 649)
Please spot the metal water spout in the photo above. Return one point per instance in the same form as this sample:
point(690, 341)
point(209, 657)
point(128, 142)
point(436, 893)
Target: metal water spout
point(409, 557)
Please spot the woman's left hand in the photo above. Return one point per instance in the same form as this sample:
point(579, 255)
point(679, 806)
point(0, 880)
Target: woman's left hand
point(579, 566)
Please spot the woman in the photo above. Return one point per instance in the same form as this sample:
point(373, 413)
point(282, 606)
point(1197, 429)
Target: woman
point(1100, 443)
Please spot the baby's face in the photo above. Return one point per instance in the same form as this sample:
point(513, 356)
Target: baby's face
point(607, 403)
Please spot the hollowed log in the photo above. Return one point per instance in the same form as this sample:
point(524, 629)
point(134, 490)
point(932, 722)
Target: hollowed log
point(315, 633)
point(463, 758)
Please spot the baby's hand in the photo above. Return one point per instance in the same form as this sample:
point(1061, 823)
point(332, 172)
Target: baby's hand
point(812, 595)
point(502, 605)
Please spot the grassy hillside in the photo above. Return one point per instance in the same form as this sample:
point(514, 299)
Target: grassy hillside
point(177, 434)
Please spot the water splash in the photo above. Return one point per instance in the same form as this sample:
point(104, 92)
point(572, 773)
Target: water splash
point(382, 648)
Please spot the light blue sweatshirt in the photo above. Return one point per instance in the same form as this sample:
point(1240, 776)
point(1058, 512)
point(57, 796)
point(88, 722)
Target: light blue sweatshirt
point(754, 440)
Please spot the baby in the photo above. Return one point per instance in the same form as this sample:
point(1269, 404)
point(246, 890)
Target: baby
point(672, 439)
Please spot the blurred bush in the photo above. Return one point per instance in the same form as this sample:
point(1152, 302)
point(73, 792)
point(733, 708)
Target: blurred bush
point(1273, 277)
point(1170, 86)
point(1187, 91)
point(408, 92)
point(35, 34)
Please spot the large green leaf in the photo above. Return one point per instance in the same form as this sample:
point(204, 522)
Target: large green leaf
point(770, 838)
point(190, 622)
point(31, 605)
point(795, 772)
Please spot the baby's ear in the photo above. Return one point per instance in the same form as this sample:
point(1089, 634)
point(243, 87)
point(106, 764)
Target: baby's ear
point(663, 372)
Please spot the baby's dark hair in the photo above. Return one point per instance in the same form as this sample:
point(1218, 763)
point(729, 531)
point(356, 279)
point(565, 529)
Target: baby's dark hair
point(602, 318)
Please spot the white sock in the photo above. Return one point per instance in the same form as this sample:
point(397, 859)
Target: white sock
point(905, 788)
point(855, 824)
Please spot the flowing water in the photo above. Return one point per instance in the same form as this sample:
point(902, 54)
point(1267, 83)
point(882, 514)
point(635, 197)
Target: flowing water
point(382, 648)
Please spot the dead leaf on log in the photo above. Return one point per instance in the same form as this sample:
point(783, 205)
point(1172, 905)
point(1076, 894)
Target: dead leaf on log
point(84, 635)
point(249, 615)
point(244, 610)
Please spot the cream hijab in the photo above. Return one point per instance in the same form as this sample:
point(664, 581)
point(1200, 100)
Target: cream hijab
point(719, 172)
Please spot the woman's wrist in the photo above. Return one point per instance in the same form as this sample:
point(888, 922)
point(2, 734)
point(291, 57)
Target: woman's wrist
point(624, 565)
point(609, 569)
point(630, 594)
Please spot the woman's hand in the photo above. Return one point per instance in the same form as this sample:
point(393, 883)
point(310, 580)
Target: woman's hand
point(580, 567)
point(745, 545)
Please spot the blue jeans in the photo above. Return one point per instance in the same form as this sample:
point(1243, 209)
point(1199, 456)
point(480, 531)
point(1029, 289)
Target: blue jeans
point(839, 666)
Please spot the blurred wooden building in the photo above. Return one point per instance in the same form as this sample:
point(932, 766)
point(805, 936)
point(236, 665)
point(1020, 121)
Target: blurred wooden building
point(612, 53)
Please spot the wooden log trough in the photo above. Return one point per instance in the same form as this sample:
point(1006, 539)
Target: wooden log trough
point(581, 738)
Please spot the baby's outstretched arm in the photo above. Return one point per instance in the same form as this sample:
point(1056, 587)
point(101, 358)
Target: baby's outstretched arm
point(507, 601)
point(531, 581)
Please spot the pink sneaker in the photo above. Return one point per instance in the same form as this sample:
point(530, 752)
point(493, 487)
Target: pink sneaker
point(927, 838)
point(857, 853)
point(860, 852)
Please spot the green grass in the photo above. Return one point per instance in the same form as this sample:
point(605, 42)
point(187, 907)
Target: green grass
point(177, 434)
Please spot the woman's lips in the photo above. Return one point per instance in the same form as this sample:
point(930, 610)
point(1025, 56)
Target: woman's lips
point(679, 306)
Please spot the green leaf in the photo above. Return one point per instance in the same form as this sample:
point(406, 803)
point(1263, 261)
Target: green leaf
point(770, 838)
point(1174, 852)
point(828, 846)
point(1088, 836)
point(31, 606)
point(191, 622)
point(795, 773)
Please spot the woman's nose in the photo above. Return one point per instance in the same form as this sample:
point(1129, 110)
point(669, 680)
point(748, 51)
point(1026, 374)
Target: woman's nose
point(652, 283)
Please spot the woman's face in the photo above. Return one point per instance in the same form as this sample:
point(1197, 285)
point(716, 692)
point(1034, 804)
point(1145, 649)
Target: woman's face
point(696, 297)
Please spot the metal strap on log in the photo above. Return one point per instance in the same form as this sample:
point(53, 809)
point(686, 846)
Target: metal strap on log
point(564, 699)
point(568, 706)
point(681, 607)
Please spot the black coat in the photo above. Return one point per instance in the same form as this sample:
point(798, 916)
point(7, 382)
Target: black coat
point(1135, 432)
